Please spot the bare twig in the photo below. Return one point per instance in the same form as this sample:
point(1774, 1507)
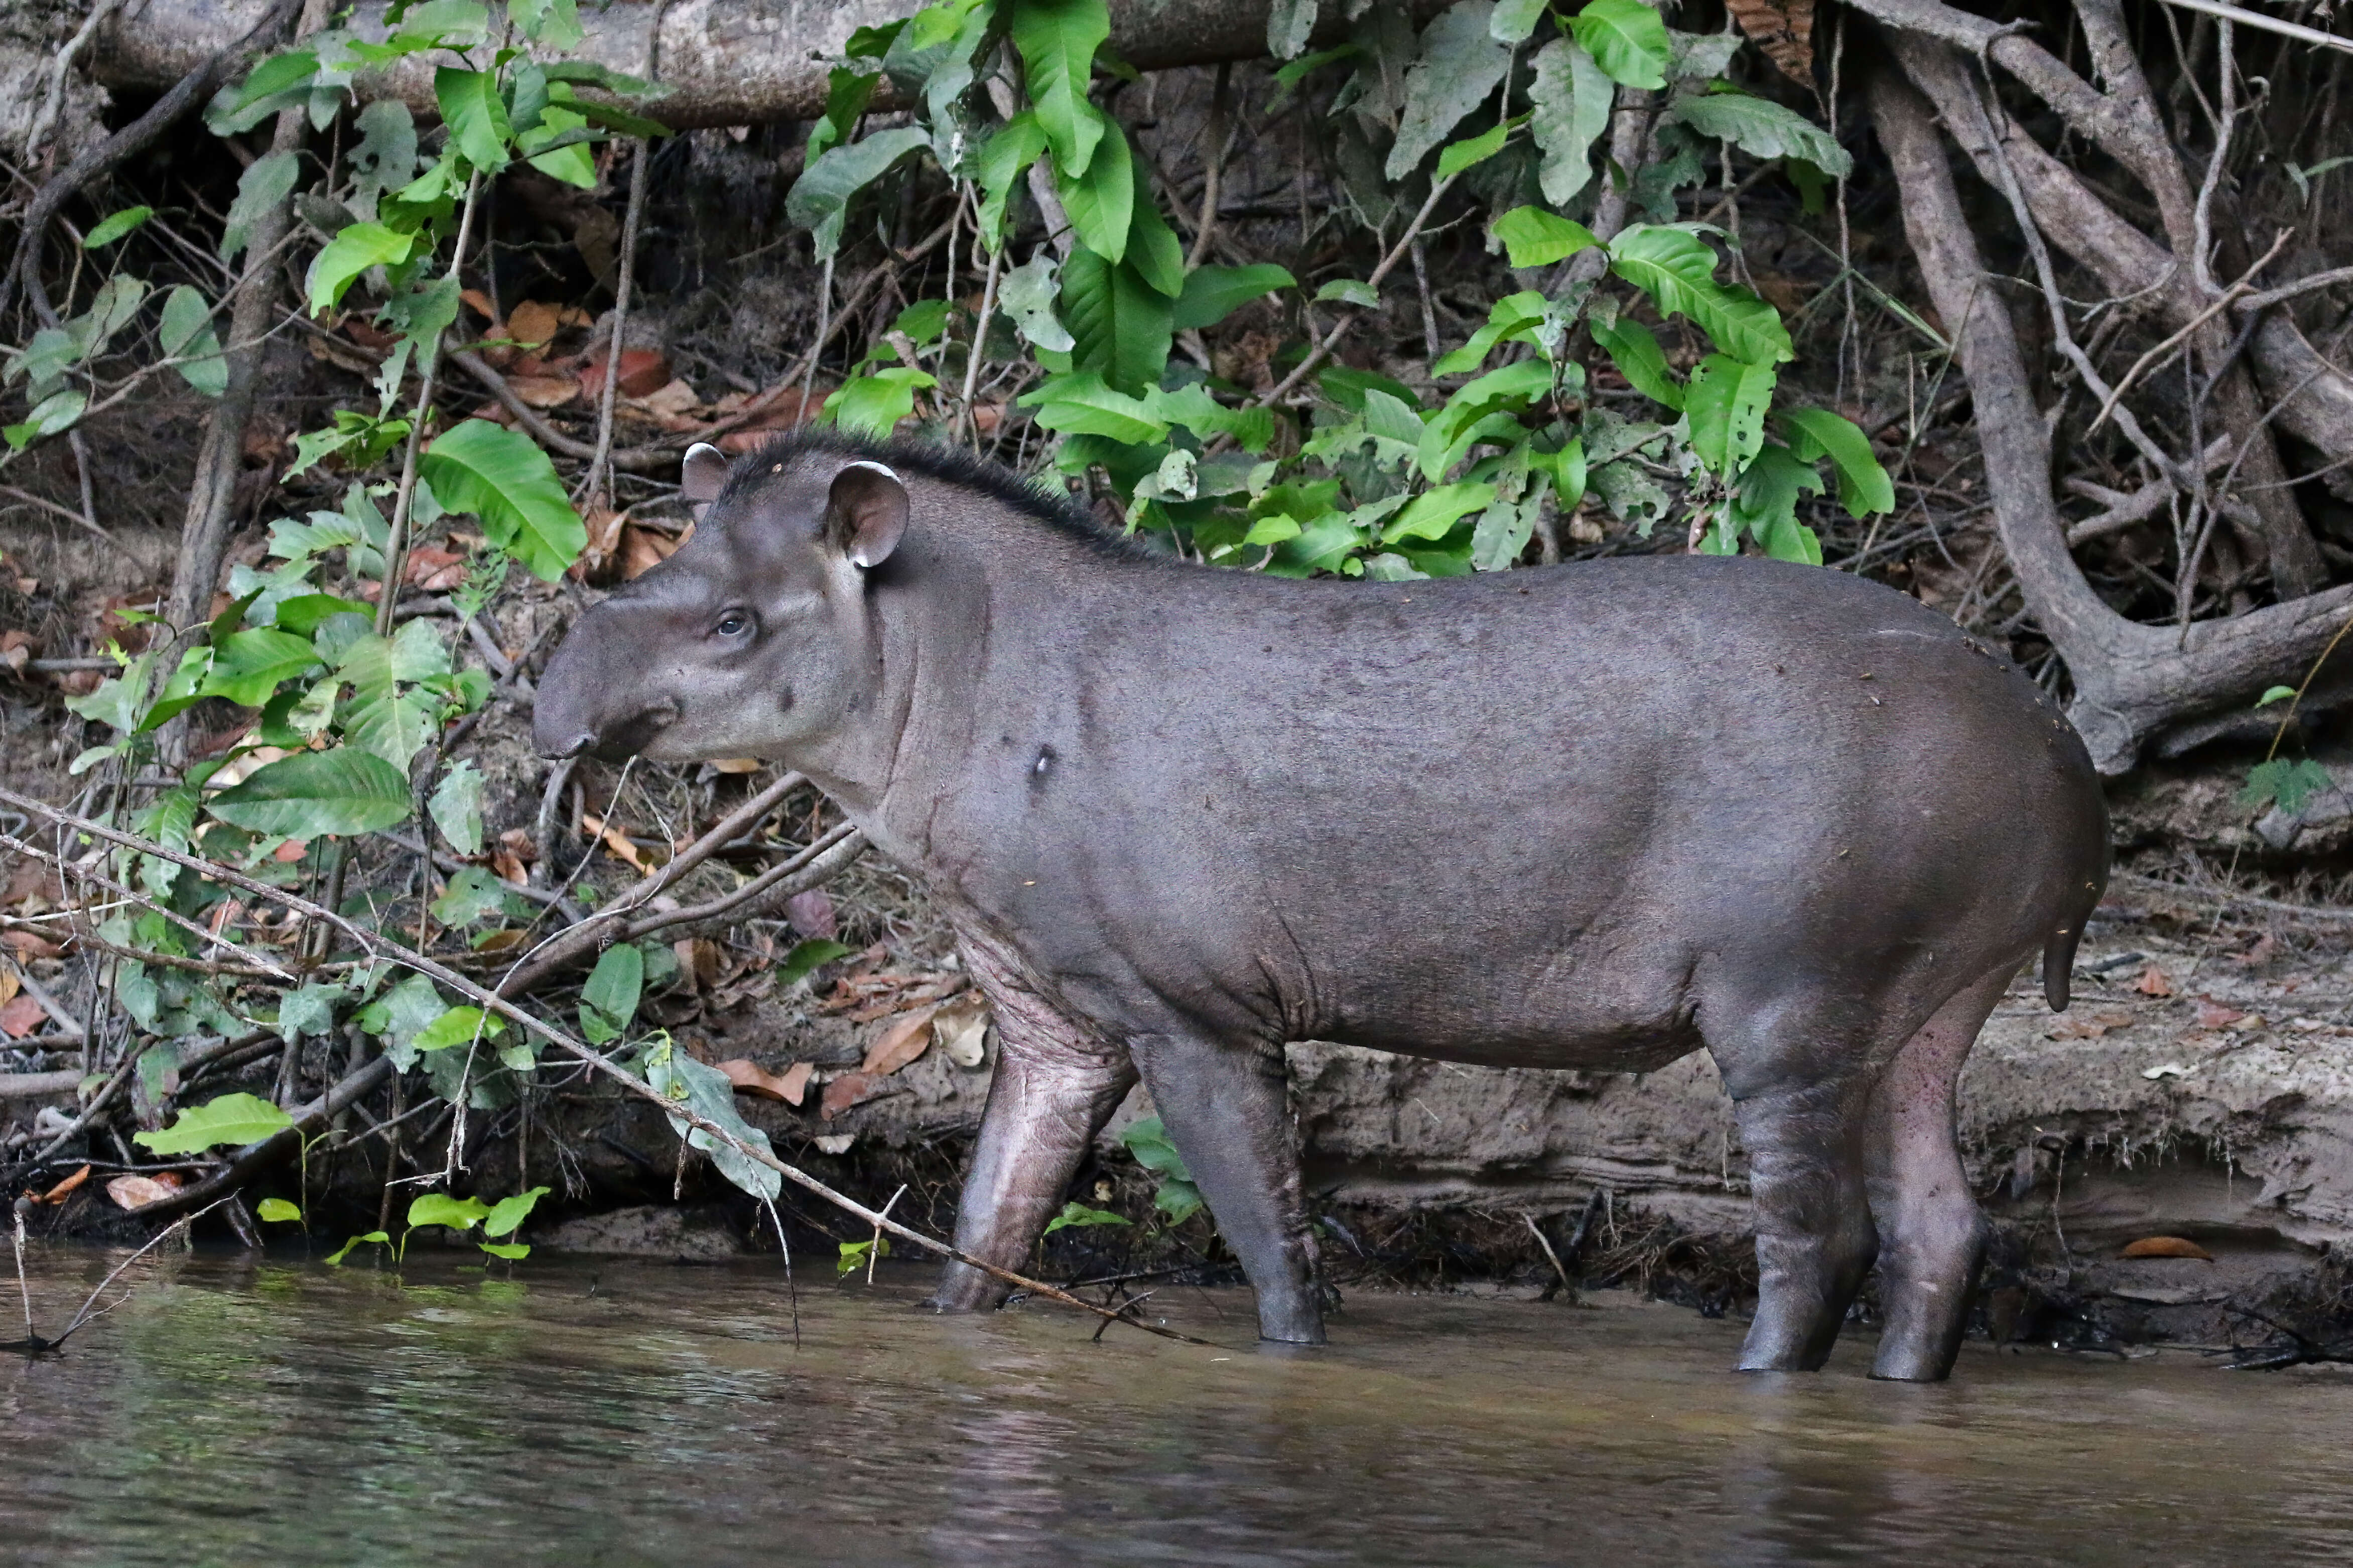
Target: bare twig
point(2236, 291)
point(395, 550)
point(599, 484)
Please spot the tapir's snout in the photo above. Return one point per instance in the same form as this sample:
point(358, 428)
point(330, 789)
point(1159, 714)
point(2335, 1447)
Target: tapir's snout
point(587, 705)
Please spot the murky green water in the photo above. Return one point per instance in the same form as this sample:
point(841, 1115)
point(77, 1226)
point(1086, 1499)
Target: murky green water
point(239, 1412)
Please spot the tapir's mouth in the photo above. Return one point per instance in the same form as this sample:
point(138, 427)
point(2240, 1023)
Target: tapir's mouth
point(617, 742)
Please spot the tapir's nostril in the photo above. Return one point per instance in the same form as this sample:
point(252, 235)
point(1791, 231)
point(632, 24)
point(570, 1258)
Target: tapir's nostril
point(570, 748)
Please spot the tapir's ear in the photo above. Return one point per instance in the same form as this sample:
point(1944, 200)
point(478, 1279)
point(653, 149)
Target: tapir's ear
point(704, 473)
point(866, 513)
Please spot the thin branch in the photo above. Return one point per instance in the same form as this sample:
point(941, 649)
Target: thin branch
point(2235, 291)
point(598, 483)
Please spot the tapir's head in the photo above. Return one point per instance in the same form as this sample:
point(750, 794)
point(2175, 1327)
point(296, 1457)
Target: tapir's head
point(755, 638)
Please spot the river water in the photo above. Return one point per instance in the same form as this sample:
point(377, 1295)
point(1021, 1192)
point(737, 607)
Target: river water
point(242, 1412)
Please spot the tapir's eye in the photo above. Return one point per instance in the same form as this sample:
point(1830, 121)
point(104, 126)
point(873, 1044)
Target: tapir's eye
point(734, 624)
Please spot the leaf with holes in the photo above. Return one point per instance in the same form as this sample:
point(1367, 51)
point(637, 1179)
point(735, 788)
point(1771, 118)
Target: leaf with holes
point(1725, 401)
point(705, 1090)
point(1460, 66)
point(1864, 485)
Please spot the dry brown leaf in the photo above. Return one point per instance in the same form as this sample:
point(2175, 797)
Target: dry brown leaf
point(436, 571)
point(508, 869)
point(16, 649)
point(480, 303)
point(286, 854)
point(505, 940)
point(2167, 1246)
point(8, 985)
point(699, 960)
point(736, 764)
point(2155, 982)
point(810, 914)
point(2213, 1015)
point(138, 1191)
point(27, 945)
point(1784, 29)
point(534, 325)
point(2258, 955)
point(791, 1086)
point(33, 878)
point(845, 1091)
point(960, 1026)
point(643, 549)
point(615, 840)
point(906, 1037)
point(58, 1193)
point(643, 371)
point(21, 1018)
point(544, 391)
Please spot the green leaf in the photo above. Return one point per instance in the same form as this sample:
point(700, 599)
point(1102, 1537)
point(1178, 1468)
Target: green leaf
point(501, 477)
point(2280, 782)
point(1058, 41)
point(1627, 39)
point(1101, 202)
point(1572, 99)
point(277, 1211)
point(1460, 66)
point(1003, 160)
point(1461, 155)
point(232, 1118)
point(679, 1077)
point(279, 73)
point(510, 1212)
point(457, 807)
point(1534, 238)
point(555, 23)
point(440, 1208)
point(1677, 270)
point(1863, 486)
point(351, 253)
point(872, 405)
point(1148, 1140)
point(1178, 1198)
point(304, 613)
point(458, 1026)
point(820, 199)
point(2275, 694)
point(1026, 295)
point(1194, 408)
point(1765, 506)
point(608, 1001)
point(260, 190)
point(1153, 247)
point(1512, 20)
point(247, 666)
point(806, 956)
point(114, 226)
point(1121, 323)
point(187, 335)
point(344, 791)
point(1300, 70)
point(400, 1015)
point(308, 1010)
point(1213, 293)
point(1349, 291)
point(473, 895)
point(1434, 512)
point(475, 114)
point(1078, 1214)
point(1081, 404)
point(1635, 351)
point(1762, 129)
point(374, 1237)
point(54, 414)
point(513, 1251)
point(1725, 401)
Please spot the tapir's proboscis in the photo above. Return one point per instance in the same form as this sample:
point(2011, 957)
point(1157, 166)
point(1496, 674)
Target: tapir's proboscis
point(1593, 815)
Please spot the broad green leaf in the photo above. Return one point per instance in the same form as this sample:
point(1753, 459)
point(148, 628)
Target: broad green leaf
point(302, 614)
point(181, 689)
point(1349, 291)
point(1058, 40)
point(1080, 404)
point(400, 1015)
point(1147, 1140)
point(501, 477)
point(1511, 319)
point(473, 895)
point(872, 405)
point(1725, 401)
point(1459, 68)
point(233, 1119)
point(457, 807)
point(343, 791)
point(261, 189)
point(1635, 351)
point(2275, 694)
point(1512, 20)
point(374, 1237)
point(1534, 238)
point(187, 335)
point(1677, 270)
point(513, 1251)
point(1434, 512)
point(1121, 323)
point(1627, 39)
point(1571, 99)
point(1213, 293)
point(281, 73)
point(1289, 24)
point(1503, 528)
point(1194, 408)
point(119, 698)
point(115, 225)
point(705, 1090)
point(551, 147)
point(1152, 245)
point(555, 23)
point(1026, 295)
point(475, 114)
point(351, 253)
point(806, 957)
point(277, 1211)
point(308, 1010)
point(1461, 155)
point(1003, 161)
point(1178, 1199)
point(608, 1001)
point(1078, 1214)
point(1101, 202)
point(1863, 486)
point(510, 1212)
point(820, 199)
point(1762, 129)
point(440, 1208)
point(111, 308)
point(54, 414)
point(2282, 782)
point(458, 1026)
point(247, 666)
point(376, 665)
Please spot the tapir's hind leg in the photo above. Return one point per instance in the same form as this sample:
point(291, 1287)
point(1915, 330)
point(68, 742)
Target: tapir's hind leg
point(1932, 1238)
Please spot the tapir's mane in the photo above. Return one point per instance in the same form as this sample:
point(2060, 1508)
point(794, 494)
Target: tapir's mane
point(949, 464)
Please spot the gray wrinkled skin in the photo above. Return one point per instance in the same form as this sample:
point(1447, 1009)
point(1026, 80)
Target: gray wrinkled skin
point(1594, 816)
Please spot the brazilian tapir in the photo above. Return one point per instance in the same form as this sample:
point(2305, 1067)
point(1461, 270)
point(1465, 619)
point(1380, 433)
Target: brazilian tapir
point(1592, 815)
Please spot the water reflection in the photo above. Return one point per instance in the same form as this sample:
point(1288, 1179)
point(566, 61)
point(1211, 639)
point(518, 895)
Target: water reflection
point(240, 1412)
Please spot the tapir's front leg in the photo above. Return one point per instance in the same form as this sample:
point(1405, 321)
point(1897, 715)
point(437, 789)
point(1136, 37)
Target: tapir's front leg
point(1056, 1084)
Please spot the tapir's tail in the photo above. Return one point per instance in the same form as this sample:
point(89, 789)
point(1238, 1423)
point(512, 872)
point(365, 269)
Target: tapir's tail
point(2059, 949)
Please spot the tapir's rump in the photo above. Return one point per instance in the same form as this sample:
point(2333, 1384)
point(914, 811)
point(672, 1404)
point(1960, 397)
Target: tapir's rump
point(1591, 815)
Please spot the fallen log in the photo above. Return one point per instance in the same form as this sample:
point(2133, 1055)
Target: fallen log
point(725, 62)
